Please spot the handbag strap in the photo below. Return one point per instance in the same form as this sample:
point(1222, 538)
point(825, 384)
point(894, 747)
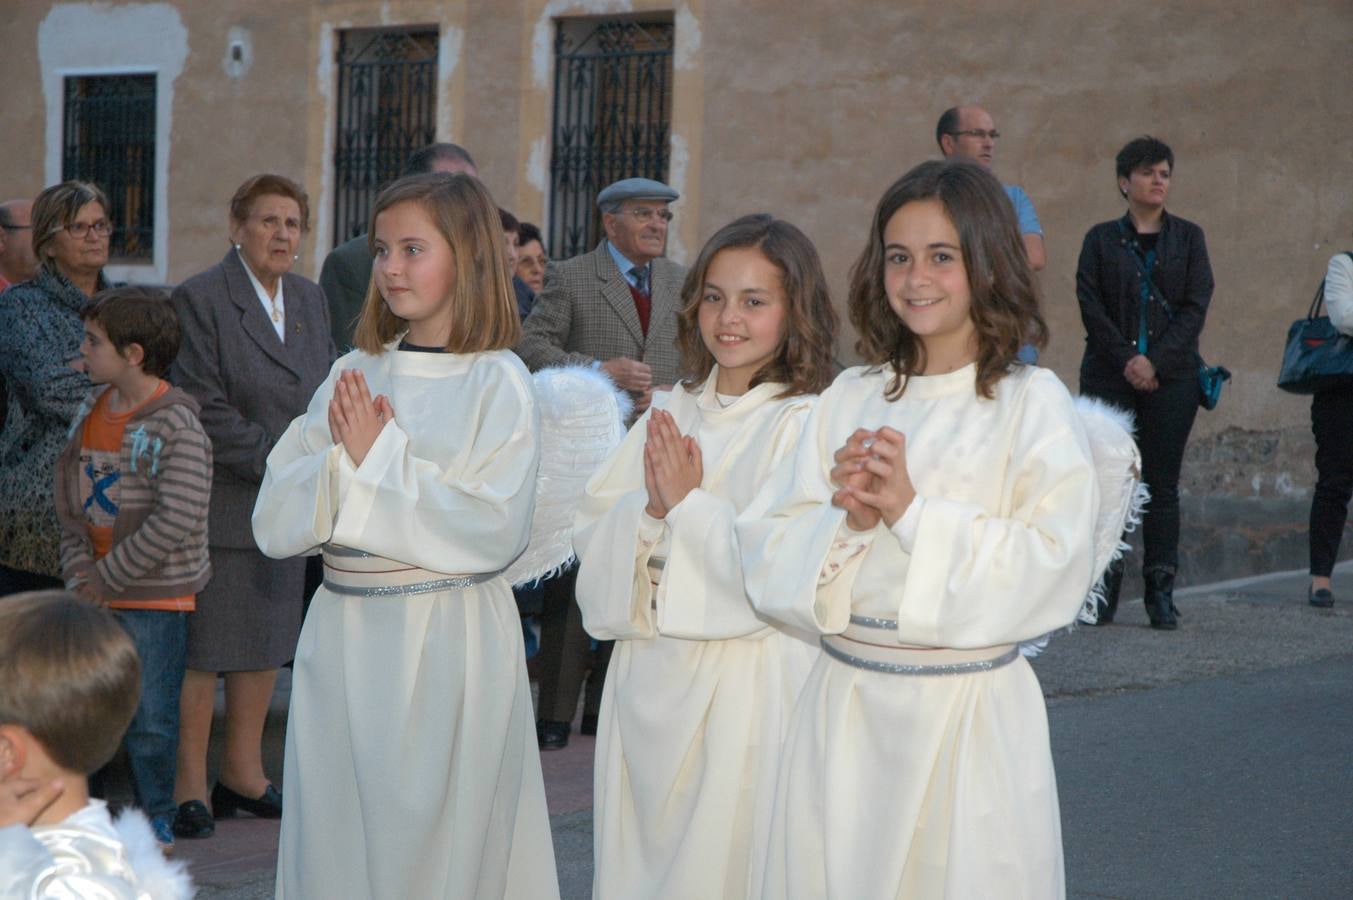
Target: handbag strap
point(1135, 252)
point(1319, 300)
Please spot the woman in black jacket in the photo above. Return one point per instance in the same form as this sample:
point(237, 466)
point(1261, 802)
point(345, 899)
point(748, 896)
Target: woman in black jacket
point(1144, 283)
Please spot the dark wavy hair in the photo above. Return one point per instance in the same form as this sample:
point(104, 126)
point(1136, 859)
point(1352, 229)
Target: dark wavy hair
point(1004, 297)
point(804, 363)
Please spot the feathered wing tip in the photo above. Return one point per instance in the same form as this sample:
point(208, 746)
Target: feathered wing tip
point(1122, 497)
point(582, 416)
point(1089, 613)
point(156, 876)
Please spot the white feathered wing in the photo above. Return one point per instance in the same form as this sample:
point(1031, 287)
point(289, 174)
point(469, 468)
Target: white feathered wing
point(1122, 496)
point(582, 416)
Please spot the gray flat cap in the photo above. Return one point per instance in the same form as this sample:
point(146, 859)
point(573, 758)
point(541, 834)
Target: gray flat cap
point(635, 189)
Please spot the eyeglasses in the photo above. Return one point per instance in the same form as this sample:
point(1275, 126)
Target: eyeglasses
point(978, 133)
point(645, 214)
point(14, 227)
point(78, 230)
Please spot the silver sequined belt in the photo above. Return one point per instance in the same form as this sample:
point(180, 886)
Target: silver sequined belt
point(865, 644)
point(356, 573)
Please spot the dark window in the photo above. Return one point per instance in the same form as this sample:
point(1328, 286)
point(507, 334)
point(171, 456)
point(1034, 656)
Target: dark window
point(109, 139)
point(612, 119)
point(387, 108)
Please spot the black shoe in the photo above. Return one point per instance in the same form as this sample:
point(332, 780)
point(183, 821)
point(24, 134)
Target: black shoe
point(552, 735)
point(1323, 598)
point(589, 726)
point(1160, 606)
point(193, 820)
point(226, 803)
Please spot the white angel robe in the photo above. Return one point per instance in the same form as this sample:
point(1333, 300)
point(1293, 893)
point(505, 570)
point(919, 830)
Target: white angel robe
point(699, 689)
point(899, 785)
point(411, 760)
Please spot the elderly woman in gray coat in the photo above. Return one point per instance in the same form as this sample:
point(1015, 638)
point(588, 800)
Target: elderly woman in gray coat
point(256, 345)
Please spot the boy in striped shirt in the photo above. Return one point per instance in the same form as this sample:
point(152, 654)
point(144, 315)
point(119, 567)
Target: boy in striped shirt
point(132, 488)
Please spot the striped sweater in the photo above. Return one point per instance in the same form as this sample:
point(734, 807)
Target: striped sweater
point(160, 533)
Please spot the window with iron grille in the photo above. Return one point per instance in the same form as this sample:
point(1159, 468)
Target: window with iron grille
point(109, 139)
point(387, 108)
point(612, 119)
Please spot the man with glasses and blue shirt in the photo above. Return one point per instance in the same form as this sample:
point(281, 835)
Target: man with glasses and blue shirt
point(968, 132)
point(614, 308)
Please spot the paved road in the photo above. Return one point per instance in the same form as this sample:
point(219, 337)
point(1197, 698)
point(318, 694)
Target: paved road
point(1215, 761)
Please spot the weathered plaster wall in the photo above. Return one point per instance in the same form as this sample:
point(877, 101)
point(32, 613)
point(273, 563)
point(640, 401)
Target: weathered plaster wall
point(809, 111)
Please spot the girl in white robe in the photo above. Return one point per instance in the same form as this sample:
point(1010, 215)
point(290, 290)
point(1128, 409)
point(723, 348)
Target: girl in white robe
point(938, 512)
point(411, 767)
point(700, 688)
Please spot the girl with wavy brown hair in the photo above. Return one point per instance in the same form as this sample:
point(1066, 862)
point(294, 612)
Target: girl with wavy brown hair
point(699, 687)
point(937, 512)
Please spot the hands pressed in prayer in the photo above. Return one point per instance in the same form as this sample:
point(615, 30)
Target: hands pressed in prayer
point(673, 465)
point(355, 420)
point(871, 471)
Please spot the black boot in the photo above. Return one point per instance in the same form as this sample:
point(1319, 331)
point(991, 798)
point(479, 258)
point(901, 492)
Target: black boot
point(1113, 584)
point(1160, 599)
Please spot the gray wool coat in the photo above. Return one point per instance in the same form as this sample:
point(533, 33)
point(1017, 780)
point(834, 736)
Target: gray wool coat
point(586, 313)
point(250, 384)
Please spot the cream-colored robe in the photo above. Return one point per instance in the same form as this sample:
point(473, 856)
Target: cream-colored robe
point(908, 786)
point(699, 689)
point(411, 761)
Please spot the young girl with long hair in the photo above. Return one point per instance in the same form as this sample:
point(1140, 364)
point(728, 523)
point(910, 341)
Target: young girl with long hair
point(700, 687)
point(411, 768)
point(937, 512)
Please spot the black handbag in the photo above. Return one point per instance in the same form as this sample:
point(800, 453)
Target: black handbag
point(1211, 379)
point(1317, 355)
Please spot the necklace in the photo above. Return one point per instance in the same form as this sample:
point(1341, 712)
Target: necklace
point(718, 398)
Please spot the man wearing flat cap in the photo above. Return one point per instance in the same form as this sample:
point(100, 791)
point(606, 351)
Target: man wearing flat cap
point(614, 308)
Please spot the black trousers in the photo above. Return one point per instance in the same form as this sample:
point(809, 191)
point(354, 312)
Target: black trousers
point(1332, 423)
point(1164, 419)
point(565, 654)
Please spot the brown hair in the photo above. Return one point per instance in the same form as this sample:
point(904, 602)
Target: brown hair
point(69, 675)
point(138, 315)
point(247, 194)
point(1004, 299)
point(804, 362)
point(57, 207)
point(484, 306)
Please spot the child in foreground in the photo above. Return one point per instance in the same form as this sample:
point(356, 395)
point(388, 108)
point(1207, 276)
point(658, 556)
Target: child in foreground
point(939, 511)
point(411, 762)
point(68, 688)
point(700, 688)
point(132, 489)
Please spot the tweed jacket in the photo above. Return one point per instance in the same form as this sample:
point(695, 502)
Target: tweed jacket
point(345, 275)
point(164, 485)
point(250, 384)
point(585, 313)
point(40, 333)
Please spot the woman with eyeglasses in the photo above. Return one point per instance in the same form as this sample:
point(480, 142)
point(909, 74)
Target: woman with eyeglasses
point(1144, 283)
point(40, 335)
point(256, 345)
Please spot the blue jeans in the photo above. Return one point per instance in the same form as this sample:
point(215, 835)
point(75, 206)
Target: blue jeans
point(152, 740)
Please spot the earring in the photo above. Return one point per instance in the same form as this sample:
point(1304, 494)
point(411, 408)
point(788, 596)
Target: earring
point(296, 257)
point(237, 246)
